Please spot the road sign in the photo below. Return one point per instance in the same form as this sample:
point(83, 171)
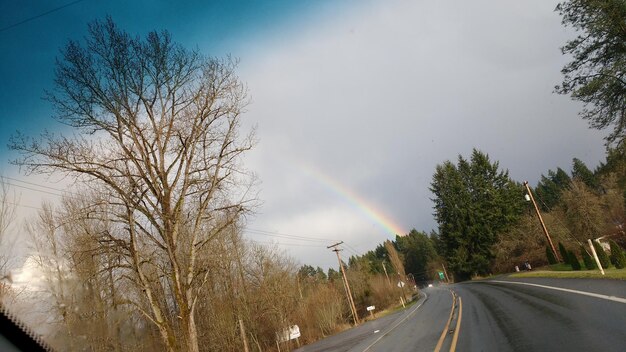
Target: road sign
point(371, 308)
point(290, 333)
point(401, 284)
point(441, 275)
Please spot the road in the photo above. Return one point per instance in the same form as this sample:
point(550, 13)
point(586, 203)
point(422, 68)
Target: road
point(498, 315)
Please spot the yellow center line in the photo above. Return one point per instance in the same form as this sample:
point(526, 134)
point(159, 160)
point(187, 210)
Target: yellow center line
point(458, 327)
point(445, 329)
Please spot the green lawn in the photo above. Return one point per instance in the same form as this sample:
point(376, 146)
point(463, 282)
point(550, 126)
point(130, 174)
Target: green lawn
point(564, 271)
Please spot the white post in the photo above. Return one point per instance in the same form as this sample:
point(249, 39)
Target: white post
point(595, 255)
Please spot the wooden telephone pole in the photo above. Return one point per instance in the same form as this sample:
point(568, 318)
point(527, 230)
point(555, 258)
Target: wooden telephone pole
point(345, 282)
point(385, 269)
point(543, 225)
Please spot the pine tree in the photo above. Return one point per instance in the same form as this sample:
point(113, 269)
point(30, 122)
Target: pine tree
point(474, 202)
point(550, 256)
point(563, 252)
point(618, 258)
point(595, 74)
point(590, 264)
point(573, 260)
point(602, 256)
point(581, 172)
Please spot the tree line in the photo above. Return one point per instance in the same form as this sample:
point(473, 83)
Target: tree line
point(146, 251)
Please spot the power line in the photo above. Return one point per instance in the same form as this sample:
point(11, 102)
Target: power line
point(351, 249)
point(296, 238)
point(288, 236)
point(39, 15)
point(22, 205)
point(33, 184)
point(288, 244)
point(567, 231)
point(249, 230)
point(34, 189)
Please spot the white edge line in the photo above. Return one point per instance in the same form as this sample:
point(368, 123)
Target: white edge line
point(395, 326)
point(584, 293)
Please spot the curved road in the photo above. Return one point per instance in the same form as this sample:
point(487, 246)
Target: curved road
point(499, 315)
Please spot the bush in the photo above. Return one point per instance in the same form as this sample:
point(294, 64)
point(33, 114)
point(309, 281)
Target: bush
point(563, 252)
point(550, 256)
point(590, 263)
point(573, 261)
point(604, 258)
point(618, 258)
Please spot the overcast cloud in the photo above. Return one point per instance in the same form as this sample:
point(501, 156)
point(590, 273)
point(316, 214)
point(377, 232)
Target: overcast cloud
point(374, 95)
point(378, 97)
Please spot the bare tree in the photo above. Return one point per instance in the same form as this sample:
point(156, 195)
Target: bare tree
point(8, 203)
point(156, 132)
point(81, 297)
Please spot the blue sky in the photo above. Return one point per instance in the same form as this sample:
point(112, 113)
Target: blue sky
point(372, 94)
point(216, 27)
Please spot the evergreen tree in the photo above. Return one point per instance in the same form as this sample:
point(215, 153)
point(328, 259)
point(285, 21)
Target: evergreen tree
point(334, 274)
point(602, 256)
point(595, 76)
point(581, 172)
point(615, 164)
point(590, 264)
point(320, 274)
point(549, 188)
point(561, 179)
point(618, 258)
point(547, 193)
point(474, 201)
point(418, 251)
point(550, 256)
point(573, 260)
point(563, 252)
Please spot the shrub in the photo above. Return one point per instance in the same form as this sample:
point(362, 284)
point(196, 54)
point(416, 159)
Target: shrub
point(563, 252)
point(590, 263)
point(618, 258)
point(550, 256)
point(573, 260)
point(604, 258)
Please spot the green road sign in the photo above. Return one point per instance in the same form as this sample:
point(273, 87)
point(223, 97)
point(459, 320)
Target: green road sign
point(441, 275)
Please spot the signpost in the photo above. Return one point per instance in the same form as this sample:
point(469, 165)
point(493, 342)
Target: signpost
point(288, 334)
point(371, 310)
point(441, 277)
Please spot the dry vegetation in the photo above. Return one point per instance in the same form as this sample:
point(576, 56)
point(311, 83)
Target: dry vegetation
point(581, 212)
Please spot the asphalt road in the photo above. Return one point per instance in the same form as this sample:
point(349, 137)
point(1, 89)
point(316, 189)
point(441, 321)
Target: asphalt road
point(516, 315)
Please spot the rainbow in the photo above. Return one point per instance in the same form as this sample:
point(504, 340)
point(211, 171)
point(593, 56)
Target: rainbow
point(390, 227)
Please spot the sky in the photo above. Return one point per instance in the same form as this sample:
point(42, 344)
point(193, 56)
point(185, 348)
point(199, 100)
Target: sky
point(355, 101)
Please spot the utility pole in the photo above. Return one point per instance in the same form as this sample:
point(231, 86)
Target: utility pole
point(543, 225)
point(595, 256)
point(345, 281)
point(242, 331)
point(241, 287)
point(385, 269)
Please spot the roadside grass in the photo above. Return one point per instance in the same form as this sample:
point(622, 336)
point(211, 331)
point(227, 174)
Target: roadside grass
point(558, 267)
point(564, 271)
point(391, 310)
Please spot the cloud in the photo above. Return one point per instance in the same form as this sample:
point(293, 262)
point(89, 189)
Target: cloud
point(374, 94)
point(29, 277)
point(377, 97)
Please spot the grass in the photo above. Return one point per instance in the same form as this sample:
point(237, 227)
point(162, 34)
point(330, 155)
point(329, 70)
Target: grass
point(391, 309)
point(564, 271)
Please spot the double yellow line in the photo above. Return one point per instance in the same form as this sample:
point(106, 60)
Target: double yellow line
point(444, 333)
